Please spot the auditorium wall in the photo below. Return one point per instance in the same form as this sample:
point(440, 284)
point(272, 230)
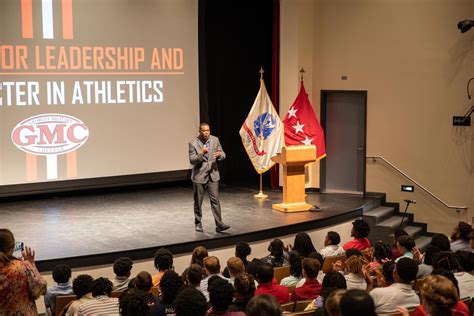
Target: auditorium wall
point(414, 64)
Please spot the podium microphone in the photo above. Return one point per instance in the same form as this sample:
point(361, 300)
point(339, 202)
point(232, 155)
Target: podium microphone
point(410, 201)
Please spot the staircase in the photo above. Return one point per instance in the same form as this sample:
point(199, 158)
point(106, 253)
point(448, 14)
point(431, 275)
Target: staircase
point(384, 218)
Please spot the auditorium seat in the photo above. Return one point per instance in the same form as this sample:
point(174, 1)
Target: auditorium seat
point(303, 313)
point(281, 272)
point(291, 289)
point(301, 305)
point(329, 261)
point(288, 307)
point(62, 301)
point(116, 294)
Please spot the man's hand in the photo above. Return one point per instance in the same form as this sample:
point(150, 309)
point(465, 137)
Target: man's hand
point(205, 150)
point(217, 154)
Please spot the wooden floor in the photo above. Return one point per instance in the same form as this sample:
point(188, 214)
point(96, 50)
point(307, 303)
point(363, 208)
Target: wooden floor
point(87, 229)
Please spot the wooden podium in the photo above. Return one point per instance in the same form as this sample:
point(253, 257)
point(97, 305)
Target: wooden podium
point(293, 159)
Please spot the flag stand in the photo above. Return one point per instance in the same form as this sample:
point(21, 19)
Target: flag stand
point(260, 194)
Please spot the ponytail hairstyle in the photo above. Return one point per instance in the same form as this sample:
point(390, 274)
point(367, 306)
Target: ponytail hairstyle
point(7, 242)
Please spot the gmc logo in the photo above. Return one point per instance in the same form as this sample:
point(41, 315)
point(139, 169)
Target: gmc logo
point(50, 134)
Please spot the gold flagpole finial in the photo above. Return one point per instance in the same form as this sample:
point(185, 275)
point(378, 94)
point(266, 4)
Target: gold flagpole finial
point(261, 73)
point(302, 73)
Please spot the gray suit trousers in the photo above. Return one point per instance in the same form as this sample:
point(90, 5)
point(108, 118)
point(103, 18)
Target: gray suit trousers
point(212, 188)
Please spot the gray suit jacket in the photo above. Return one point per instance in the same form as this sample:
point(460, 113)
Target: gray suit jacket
point(205, 168)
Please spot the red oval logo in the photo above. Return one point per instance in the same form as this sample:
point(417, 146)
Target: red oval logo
point(50, 134)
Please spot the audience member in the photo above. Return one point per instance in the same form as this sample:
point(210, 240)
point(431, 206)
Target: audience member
point(235, 267)
point(311, 288)
point(266, 286)
point(198, 255)
point(332, 281)
point(133, 302)
point(277, 257)
point(20, 282)
point(331, 245)
point(400, 293)
point(354, 267)
point(102, 303)
point(82, 288)
point(296, 271)
point(143, 282)
point(448, 261)
point(438, 243)
point(61, 275)
point(460, 309)
point(356, 303)
point(244, 285)
point(396, 234)
point(438, 295)
point(221, 294)
point(163, 262)
point(460, 237)
point(213, 267)
point(303, 245)
point(467, 260)
point(243, 250)
point(263, 305)
point(122, 270)
point(360, 232)
point(385, 278)
point(382, 252)
point(332, 304)
point(405, 245)
point(252, 267)
point(441, 241)
point(190, 302)
point(194, 276)
point(170, 284)
point(471, 240)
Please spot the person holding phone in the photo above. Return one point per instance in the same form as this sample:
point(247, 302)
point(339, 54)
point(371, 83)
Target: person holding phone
point(204, 152)
point(20, 282)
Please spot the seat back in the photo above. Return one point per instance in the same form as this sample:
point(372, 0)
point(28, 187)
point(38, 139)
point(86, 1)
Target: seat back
point(303, 313)
point(288, 307)
point(116, 294)
point(281, 272)
point(329, 261)
point(301, 305)
point(62, 301)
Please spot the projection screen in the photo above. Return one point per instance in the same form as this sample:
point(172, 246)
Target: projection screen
point(92, 89)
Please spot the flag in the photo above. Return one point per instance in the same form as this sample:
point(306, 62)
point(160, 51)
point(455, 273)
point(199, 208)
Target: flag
point(302, 126)
point(262, 131)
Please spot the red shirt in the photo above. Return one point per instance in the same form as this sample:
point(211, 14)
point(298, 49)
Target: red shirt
point(460, 309)
point(279, 292)
point(357, 243)
point(310, 290)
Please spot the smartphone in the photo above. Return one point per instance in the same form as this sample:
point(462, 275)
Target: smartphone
point(19, 246)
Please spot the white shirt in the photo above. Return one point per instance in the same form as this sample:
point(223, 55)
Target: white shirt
point(386, 299)
point(332, 251)
point(465, 283)
point(354, 281)
point(204, 284)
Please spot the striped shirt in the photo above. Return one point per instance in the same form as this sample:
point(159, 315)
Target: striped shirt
point(100, 305)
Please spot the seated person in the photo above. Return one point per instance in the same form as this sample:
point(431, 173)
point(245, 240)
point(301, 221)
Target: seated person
point(163, 262)
point(122, 270)
point(405, 245)
point(311, 288)
point(331, 243)
point(221, 294)
point(62, 276)
point(102, 303)
point(354, 272)
point(296, 271)
point(82, 288)
point(460, 237)
point(357, 302)
point(265, 275)
point(213, 267)
point(277, 257)
point(387, 299)
point(360, 232)
point(244, 285)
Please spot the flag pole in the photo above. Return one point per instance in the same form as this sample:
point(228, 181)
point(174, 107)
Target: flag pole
point(260, 194)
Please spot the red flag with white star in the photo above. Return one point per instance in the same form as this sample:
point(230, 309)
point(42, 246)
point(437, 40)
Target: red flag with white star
point(302, 126)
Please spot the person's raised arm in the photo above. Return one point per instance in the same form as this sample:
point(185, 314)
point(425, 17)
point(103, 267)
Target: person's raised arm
point(195, 156)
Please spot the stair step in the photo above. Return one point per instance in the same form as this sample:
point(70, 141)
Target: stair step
point(381, 213)
point(414, 231)
point(393, 222)
point(422, 241)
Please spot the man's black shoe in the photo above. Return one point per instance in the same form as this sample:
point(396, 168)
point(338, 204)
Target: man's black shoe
point(199, 228)
point(222, 228)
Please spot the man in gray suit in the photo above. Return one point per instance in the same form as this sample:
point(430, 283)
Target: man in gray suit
point(204, 152)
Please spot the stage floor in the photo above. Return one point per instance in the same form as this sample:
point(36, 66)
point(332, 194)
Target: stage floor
point(96, 228)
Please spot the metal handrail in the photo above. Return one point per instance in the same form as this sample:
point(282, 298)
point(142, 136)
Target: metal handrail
point(457, 208)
